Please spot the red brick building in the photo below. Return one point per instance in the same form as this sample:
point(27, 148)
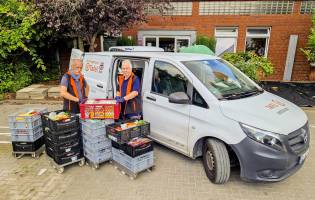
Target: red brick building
point(237, 24)
point(267, 27)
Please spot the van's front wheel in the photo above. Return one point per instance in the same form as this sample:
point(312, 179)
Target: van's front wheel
point(216, 161)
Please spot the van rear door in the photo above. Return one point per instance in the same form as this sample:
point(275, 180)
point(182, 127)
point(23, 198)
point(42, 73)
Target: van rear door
point(96, 70)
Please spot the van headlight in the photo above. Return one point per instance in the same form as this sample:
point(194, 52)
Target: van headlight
point(264, 137)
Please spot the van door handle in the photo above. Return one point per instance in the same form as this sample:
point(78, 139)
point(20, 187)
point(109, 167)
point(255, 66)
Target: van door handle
point(99, 85)
point(151, 98)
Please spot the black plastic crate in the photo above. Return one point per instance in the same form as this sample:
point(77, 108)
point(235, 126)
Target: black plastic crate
point(124, 136)
point(62, 136)
point(66, 157)
point(65, 147)
point(28, 146)
point(68, 124)
point(116, 145)
point(138, 150)
point(134, 151)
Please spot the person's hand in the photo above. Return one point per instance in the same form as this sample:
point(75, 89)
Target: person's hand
point(117, 98)
point(82, 100)
point(120, 100)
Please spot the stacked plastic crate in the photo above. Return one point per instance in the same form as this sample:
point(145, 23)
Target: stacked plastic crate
point(26, 132)
point(63, 140)
point(132, 151)
point(95, 115)
point(97, 147)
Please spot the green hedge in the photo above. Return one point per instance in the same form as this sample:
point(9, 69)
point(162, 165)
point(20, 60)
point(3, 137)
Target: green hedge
point(14, 76)
point(249, 63)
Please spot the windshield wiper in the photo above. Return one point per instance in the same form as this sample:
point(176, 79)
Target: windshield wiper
point(241, 94)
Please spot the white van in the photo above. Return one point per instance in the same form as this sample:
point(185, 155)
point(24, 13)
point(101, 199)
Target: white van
point(136, 49)
point(202, 106)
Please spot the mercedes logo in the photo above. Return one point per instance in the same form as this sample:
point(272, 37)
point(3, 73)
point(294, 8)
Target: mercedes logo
point(304, 135)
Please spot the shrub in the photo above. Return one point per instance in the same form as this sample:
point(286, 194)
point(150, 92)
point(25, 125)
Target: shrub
point(209, 42)
point(125, 41)
point(52, 72)
point(14, 76)
point(249, 63)
point(309, 51)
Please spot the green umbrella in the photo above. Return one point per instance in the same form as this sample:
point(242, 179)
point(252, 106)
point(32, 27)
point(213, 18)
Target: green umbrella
point(200, 49)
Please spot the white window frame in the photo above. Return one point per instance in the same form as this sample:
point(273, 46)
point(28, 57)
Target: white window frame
point(259, 36)
point(148, 36)
point(157, 38)
point(231, 35)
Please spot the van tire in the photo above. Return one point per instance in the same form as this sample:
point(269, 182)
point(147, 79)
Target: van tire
point(216, 161)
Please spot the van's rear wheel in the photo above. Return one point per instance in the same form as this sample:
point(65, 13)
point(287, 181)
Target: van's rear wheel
point(216, 161)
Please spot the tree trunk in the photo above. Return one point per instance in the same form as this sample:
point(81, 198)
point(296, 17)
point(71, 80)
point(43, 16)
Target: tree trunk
point(91, 49)
point(80, 44)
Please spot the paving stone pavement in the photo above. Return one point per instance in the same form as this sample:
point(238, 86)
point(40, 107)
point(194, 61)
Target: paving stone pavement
point(175, 177)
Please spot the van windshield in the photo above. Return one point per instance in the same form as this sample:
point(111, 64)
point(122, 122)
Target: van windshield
point(222, 79)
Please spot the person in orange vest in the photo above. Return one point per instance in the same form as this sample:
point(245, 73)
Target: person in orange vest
point(128, 93)
point(73, 87)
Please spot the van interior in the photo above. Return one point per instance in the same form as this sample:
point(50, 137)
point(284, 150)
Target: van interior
point(138, 65)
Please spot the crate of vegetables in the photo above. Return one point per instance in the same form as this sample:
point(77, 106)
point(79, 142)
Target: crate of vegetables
point(138, 146)
point(26, 118)
point(135, 147)
point(100, 109)
point(60, 120)
point(123, 132)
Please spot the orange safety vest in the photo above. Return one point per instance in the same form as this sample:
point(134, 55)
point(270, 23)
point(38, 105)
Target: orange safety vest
point(72, 89)
point(132, 105)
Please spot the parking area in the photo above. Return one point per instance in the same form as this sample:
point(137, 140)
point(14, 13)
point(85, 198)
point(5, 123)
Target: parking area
point(174, 177)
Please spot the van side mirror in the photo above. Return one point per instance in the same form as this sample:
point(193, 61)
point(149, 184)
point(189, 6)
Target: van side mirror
point(179, 98)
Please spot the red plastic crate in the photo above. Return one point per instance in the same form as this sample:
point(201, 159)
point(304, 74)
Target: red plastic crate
point(99, 110)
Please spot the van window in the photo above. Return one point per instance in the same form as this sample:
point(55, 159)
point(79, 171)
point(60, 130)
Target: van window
point(167, 79)
point(197, 100)
point(222, 79)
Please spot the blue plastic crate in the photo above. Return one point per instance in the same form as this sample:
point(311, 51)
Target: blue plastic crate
point(25, 122)
point(95, 127)
point(20, 131)
point(36, 134)
point(135, 165)
point(96, 142)
point(99, 156)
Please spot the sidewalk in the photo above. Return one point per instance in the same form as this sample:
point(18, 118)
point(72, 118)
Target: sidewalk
point(175, 177)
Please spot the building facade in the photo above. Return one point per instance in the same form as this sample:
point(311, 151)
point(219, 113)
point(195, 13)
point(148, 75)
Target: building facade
point(275, 29)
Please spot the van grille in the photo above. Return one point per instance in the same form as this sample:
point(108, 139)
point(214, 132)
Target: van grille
point(299, 139)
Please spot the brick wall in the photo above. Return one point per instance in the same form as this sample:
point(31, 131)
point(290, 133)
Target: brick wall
point(282, 26)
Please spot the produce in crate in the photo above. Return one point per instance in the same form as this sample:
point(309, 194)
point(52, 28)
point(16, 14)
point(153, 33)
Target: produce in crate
point(130, 125)
point(29, 114)
point(62, 116)
point(99, 109)
point(138, 142)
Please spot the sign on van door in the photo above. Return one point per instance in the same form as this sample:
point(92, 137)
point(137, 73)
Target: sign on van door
point(96, 72)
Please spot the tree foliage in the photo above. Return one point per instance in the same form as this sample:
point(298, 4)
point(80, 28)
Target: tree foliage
point(249, 63)
point(20, 31)
point(87, 19)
